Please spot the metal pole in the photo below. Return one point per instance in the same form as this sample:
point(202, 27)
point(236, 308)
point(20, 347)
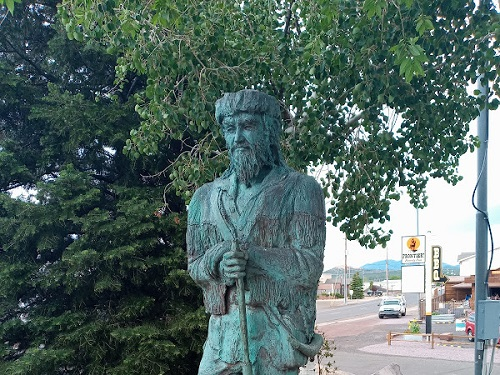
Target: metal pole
point(428, 288)
point(387, 271)
point(418, 224)
point(345, 272)
point(481, 224)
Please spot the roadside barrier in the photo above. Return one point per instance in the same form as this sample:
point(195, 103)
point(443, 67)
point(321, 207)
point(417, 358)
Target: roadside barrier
point(444, 339)
point(443, 318)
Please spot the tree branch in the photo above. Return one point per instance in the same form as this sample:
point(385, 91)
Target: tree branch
point(288, 19)
point(354, 119)
point(39, 70)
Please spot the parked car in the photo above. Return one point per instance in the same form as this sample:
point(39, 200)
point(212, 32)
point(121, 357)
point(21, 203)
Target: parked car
point(470, 327)
point(392, 307)
point(377, 293)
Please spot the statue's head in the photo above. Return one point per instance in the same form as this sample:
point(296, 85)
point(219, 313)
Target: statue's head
point(251, 124)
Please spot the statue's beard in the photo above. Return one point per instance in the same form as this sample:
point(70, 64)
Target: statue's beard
point(247, 162)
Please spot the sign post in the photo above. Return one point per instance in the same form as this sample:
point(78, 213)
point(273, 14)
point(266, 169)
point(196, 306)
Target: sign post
point(428, 294)
point(414, 269)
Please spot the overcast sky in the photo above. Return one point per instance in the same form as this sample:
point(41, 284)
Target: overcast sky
point(449, 216)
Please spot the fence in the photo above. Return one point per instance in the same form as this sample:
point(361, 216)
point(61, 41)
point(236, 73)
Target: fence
point(439, 305)
point(429, 338)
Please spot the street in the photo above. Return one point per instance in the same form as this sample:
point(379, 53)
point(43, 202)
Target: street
point(354, 308)
point(361, 348)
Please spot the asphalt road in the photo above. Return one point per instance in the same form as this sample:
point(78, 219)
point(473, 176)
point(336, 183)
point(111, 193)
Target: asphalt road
point(334, 310)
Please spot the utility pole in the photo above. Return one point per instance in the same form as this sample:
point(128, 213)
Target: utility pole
point(481, 215)
point(387, 271)
point(481, 223)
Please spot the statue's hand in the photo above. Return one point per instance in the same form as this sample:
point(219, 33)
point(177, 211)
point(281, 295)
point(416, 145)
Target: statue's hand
point(232, 266)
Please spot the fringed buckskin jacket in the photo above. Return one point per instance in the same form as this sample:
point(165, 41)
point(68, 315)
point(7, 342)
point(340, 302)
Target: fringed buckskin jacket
point(283, 228)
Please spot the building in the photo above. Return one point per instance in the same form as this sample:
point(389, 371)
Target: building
point(463, 286)
point(467, 262)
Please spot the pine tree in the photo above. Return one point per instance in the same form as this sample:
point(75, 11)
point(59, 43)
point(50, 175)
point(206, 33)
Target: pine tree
point(93, 273)
point(357, 287)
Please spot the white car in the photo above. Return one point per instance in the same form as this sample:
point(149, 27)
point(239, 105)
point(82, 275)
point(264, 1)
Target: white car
point(394, 306)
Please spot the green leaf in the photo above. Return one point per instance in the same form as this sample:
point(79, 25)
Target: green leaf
point(10, 5)
point(424, 24)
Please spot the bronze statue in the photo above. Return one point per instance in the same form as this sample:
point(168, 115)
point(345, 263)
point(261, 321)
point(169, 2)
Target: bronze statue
point(255, 240)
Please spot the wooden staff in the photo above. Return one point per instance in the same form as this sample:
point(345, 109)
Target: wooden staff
point(240, 292)
point(242, 309)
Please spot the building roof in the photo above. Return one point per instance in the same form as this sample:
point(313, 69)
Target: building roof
point(455, 279)
point(462, 286)
point(465, 255)
point(471, 254)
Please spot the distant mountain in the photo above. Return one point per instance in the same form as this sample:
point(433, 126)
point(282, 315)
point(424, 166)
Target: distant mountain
point(394, 265)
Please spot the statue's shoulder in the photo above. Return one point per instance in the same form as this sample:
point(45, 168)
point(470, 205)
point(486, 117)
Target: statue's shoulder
point(206, 196)
point(203, 191)
point(306, 192)
point(302, 181)
point(207, 189)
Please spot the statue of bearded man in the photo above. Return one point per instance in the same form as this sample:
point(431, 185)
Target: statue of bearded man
point(264, 224)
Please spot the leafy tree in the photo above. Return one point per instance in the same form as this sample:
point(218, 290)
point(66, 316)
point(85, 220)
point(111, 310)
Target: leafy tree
point(92, 261)
point(357, 287)
point(375, 89)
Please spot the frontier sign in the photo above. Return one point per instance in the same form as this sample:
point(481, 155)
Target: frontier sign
point(413, 264)
point(413, 250)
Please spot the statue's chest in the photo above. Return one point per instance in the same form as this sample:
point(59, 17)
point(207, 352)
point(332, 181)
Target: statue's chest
point(258, 218)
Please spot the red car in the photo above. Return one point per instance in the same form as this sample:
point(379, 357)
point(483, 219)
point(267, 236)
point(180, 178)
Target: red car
point(470, 327)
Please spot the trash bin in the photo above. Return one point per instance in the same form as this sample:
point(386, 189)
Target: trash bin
point(460, 325)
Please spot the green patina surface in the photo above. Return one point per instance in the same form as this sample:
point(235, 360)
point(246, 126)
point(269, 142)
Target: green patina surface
point(256, 239)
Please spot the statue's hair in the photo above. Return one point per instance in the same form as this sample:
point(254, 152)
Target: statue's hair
point(255, 102)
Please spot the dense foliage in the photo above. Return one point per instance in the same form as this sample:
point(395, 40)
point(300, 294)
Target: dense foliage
point(375, 89)
point(93, 273)
point(92, 263)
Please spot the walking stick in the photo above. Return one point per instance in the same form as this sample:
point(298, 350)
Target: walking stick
point(240, 293)
point(242, 309)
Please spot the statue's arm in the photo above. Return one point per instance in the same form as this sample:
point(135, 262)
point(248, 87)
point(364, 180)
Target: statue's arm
point(204, 248)
point(204, 268)
point(302, 259)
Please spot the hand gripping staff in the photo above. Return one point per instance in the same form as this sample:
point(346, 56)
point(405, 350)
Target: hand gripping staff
point(240, 294)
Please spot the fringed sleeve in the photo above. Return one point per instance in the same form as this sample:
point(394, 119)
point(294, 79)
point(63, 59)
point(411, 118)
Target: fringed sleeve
point(205, 250)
